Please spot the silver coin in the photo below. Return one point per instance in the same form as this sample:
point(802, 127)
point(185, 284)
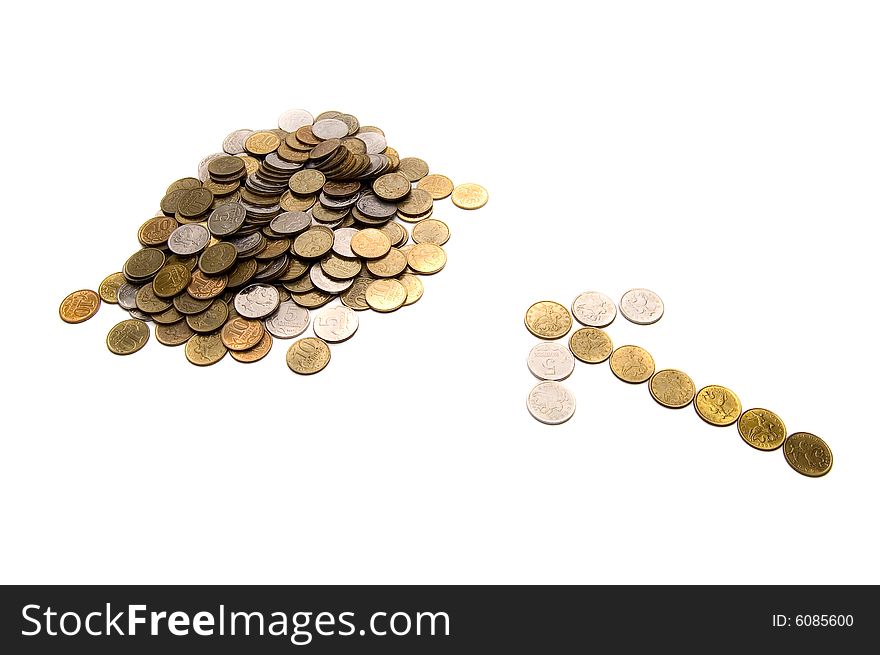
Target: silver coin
point(550, 361)
point(325, 283)
point(234, 143)
point(188, 239)
point(273, 269)
point(293, 119)
point(374, 141)
point(257, 300)
point(335, 324)
point(290, 223)
point(373, 206)
point(330, 128)
point(641, 306)
point(247, 243)
point(226, 219)
point(138, 314)
point(288, 322)
point(126, 295)
point(203, 165)
point(342, 241)
point(593, 309)
point(551, 403)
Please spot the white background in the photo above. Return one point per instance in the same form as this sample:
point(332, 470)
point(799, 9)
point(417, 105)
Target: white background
point(724, 155)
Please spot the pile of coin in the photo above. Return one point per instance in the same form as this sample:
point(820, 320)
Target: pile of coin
point(550, 361)
point(281, 222)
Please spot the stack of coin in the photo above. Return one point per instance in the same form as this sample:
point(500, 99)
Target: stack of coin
point(281, 222)
point(550, 402)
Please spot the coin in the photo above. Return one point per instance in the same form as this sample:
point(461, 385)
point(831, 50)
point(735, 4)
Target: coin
point(143, 264)
point(632, 364)
point(469, 196)
point(226, 219)
point(330, 128)
point(307, 181)
point(173, 334)
point(195, 202)
point(290, 222)
point(430, 230)
point(391, 186)
point(257, 300)
point(211, 319)
point(413, 168)
point(717, 405)
point(761, 429)
point(155, 231)
point(325, 283)
point(370, 243)
point(594, 309)
point(385, 295)
point(171, 280)
point(550, 361)
point(641, 306)
point(426, 258)
point(342, 241)
point(256, 353)
point(189, 239)
point(262, 143)
point(342, 268)
point(356, 295)
point(127, 337)
point(314, 243)
point(672, 388)
point(205, 349)
point(335, 324)
point(439, 186)
point(417, 203)
point(289, 321)
point(308, 355)
point(233, 144)
point(293, 119)
point(127, 296)
point(312, 299)
point(224, 168)
point(807, 454)
point(218, 259)
point(147, 301)
point(551, 403)
point(391, 265)
point(109, 287)
point(79, 306)
point(205, 287)
point(414, 288)
point(590, 345)
point(241, 333)
point(548, 320)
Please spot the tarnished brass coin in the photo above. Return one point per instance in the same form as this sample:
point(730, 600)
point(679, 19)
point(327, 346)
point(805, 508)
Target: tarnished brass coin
point(414, 288)
point(262, 143)
point(391, 186)
point(128, 337)
point(256, 353)
point(211, 319)
point(312, 299)
point(242, 273)
point(189, 261)
point(308, 355)
point(341, 268)
point(306, 181)
point(416, 203)
point(155, 231)
point(547, 319)
point(110, 287)
point(469, 196)
point(439, 186)
point(717, 405)
point(761, 429)
point(370, 243)
point(632, 364)
point(413, 168)
point(426, 258)
point(203, 287)
point(171, 280)
point(218, 258)
point(672, 388)
point(143, 264)
point(205, 349)
point(173, 334)
point(274, 249)
point(169, 316)
point(590, 345)
point(223, 168)
point(808, 454)
point(79, 306)
point(241, 333)
point(391, 265)
point(356, 295)
point(184, 183)
point(430, 230)
point(313, 243)
point(147, 300)
point(341, 188)
point(386, 295)
point(186, 304)
point(194, 203)
point(395, 232)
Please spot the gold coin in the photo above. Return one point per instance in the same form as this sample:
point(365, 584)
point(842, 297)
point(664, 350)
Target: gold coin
point(590, 345)
point(184, 183)
point(110, 287)
point(395, 232)
point(469, 196)
point(386, 295)
point(416, 203)
point(291, 202)
point(155, 232)
point(430, 230)
point(204, 287)
point(391, 265)
point(147, 300)
point(439, 186)
point(341, 268)
point(169, 316)
point(808, 454)
point(761, 429)
point(242, 273)
point(632, 364)
point(218, 258)
point(308, 355)
point(79, 306)
point(717, 405)
point(414, 288)
point(426, 258)
point(171, 280)
point(251, 165)
point(312, 299)
point(211, 319)
point(413, 168)
point(548, 320)
point(391, 187)
point(143, 264)
point(205, 349)
point(306, 181)
point(370, 243)
point(262, 143)
point(128, 337)
point(256, 353)
point(672, 388)
point(356, 295)
point(173, 334)
point(314, 242)
point(241, 333)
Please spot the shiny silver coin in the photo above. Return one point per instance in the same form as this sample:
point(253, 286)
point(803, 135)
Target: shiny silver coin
point(257, 300)
point(226, 219)
point(293, 119)
point(641, 306)
point(326, 283)
point(551, 403)
point(234, 143)
point(330, 128)
point(374, 141)
point(335, 324)
point(342, 241)
point(288, 322)
point(126, 296)
point(593, 309)
point(550, 361)
point(188, 239)
point(290, 223)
